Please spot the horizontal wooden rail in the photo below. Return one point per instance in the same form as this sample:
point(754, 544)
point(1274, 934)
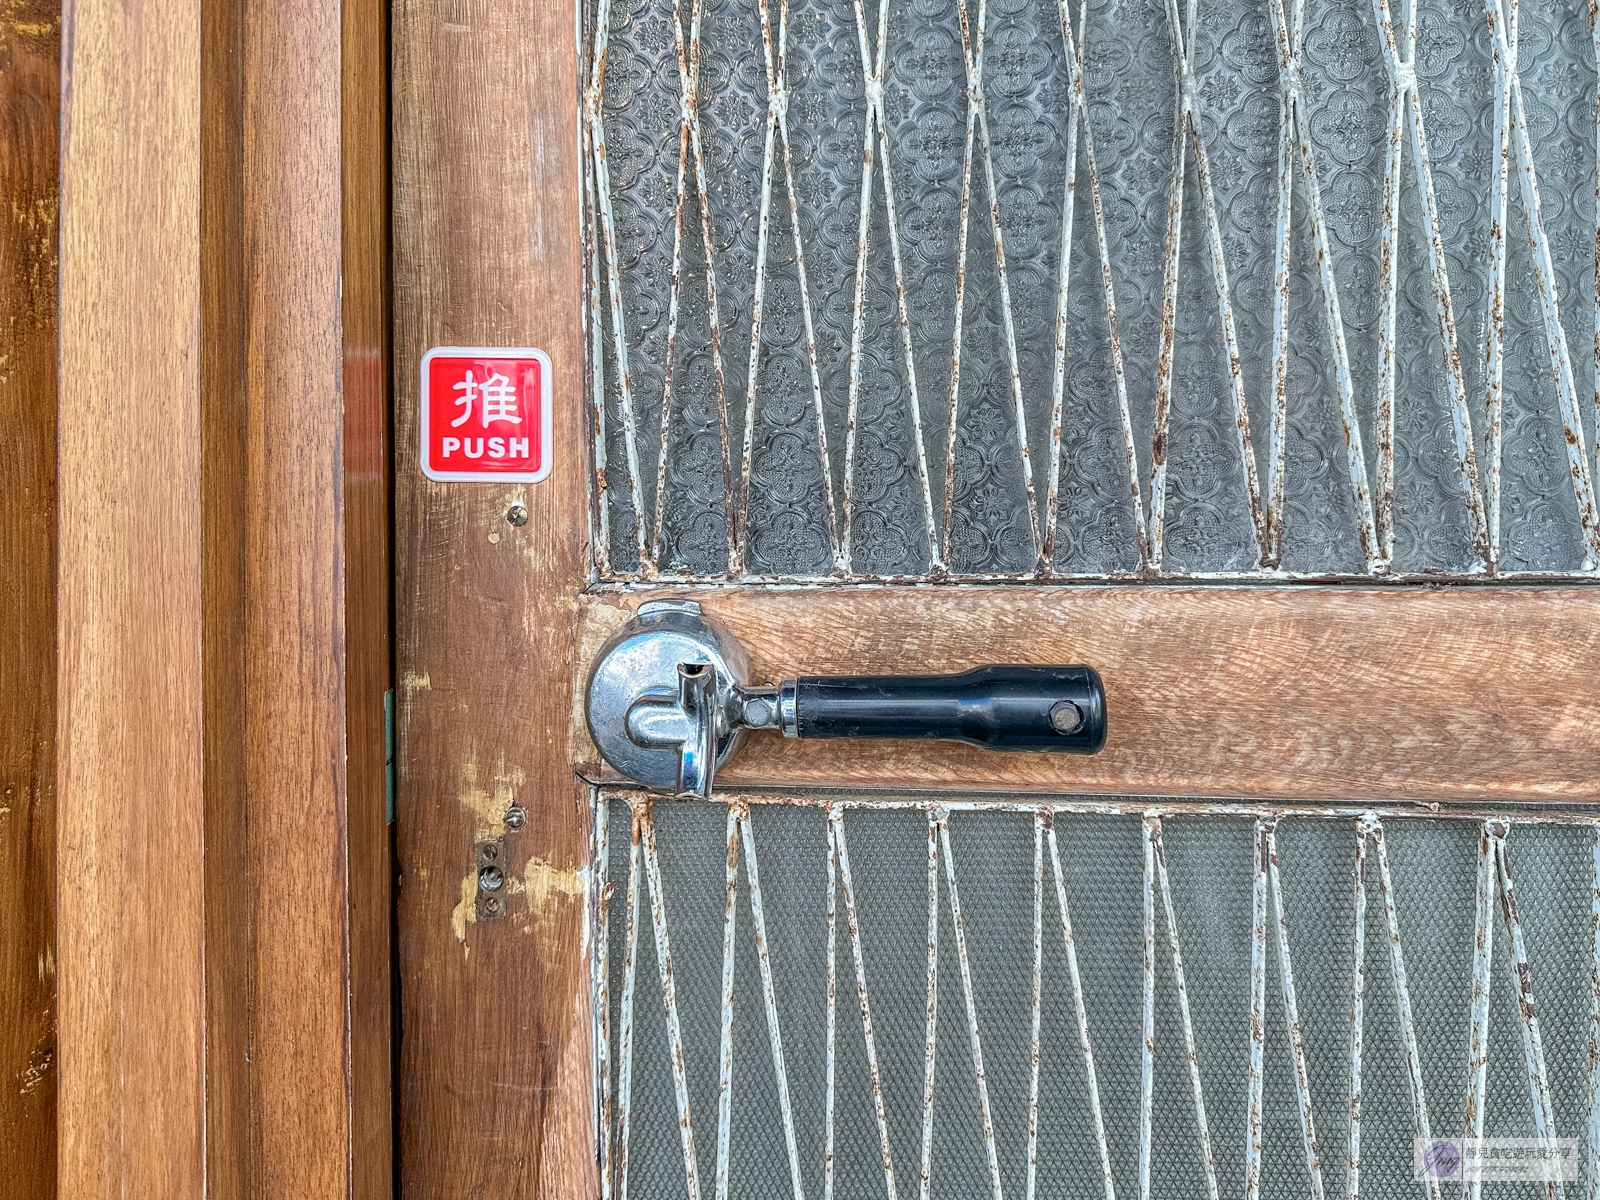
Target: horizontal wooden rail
point(1364, 694)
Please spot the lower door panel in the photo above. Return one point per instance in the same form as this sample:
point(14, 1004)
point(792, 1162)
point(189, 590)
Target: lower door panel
point(835, 995)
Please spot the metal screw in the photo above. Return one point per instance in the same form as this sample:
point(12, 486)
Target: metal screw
point(491, 879)
point(517, 514)
point(490, 852)
point(491, 905)
point(1065, 717)
point(516, 816)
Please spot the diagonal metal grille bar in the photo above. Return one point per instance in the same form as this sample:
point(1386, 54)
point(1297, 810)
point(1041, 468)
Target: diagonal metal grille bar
point(1031, 1104)
point(1302, 218)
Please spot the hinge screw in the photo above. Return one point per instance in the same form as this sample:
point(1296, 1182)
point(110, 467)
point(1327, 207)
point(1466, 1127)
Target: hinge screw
point(491, 879)
point(516, 816)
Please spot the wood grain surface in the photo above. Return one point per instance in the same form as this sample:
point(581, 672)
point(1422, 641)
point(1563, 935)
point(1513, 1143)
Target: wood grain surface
point(30, 73)
point(368, 583)
point(294, 680)
point(494, 1085)
point(224, 602)
point(1320, 693)
point(131, 706)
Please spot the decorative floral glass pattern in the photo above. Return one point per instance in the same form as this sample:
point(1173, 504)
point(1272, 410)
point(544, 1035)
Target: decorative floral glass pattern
point(1044, 289)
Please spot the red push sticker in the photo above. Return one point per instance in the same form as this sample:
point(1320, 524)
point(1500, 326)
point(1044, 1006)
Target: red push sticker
point(485, 414)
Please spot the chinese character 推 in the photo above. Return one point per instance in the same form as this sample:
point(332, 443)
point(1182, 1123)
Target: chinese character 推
point(499, 397)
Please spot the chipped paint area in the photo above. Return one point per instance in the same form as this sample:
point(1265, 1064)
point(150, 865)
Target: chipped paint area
point(413, 681)
point(486, 794)
point(465, 911)
point(40, 1061)
point(544, 883)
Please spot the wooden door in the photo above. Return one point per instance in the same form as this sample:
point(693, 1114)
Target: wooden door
point(1205, 346)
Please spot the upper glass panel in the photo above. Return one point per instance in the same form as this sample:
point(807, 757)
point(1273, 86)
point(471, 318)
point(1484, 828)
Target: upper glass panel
point(1046, 290)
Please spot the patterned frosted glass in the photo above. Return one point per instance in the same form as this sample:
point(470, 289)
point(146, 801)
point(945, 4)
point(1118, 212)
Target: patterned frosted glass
point(1020, 499)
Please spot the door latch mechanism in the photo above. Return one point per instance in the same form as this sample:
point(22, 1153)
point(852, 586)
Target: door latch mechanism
point(671, 698)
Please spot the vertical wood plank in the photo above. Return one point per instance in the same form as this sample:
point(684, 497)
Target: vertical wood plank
point(294, 683)
point(369, 613)
point(494, 1089)
point(130, 711)
point(224, 602)
point(228, 928)
point(30, 72)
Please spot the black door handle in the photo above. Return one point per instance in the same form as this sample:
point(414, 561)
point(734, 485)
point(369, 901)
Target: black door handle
point(1060, 709)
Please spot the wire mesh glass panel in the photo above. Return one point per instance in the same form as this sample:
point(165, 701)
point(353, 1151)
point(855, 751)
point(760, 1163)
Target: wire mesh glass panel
point(988, 999)
point(1053, 289)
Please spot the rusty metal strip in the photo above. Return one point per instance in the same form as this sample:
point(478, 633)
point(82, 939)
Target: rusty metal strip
point(1504, 32)
point(1544, 1122)
point(1594, 1025)
point(1357, 1012)
point(1147, 1031)
point(833, 993)
point(952, 424)
point(1258, 1007)
point(1288, 30)
point(759, 917)
point(1152, 833)
point(1291, 1013)
point(1388, 288)
point(1073, 52)
point(741, 519)
point(778, 90)
point(593, 99)
point(1482, 972)
point(1037, 998)
point(1565, 814)
point(651, 567)
point(931, 1039)
point(1169, 312)
point(597, 920)
point(594, 337)
point(669, 997)
point(1182, 35)
point(630, 974)
point(836, 823)
point(1495, 372)
point(1402, 998)
point(1081, 1011)
point(972, 1004)
point(872, 67)
point(725, 1057)
point(1594, 30)
point(1398, 57)
point(977, 114)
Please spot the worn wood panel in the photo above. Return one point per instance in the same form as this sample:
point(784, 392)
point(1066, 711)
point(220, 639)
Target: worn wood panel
point(494, 1084)
point(228, 929)
point(30, 72)
point(1367, 694)
point(368, 611)
point(224, 603)
point(130, 715)
point(294, 679)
